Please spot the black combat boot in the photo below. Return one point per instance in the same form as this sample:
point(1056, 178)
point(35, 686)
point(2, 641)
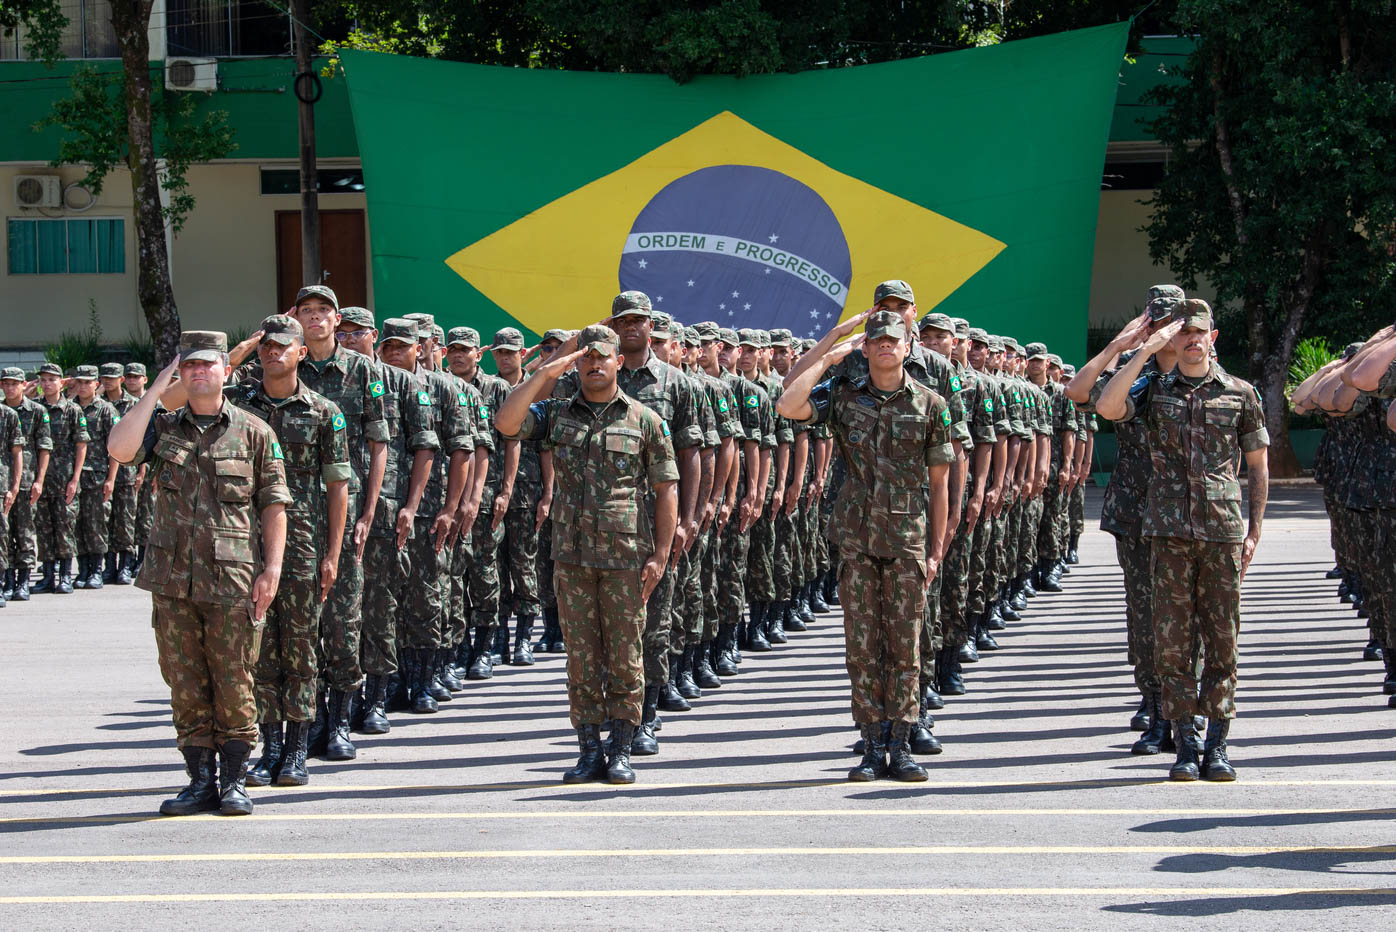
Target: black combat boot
point(968, 652)
point(1335, 573)
point(47, 572)
point(1143, 716)
point(992, 620)
point(464, 651)
point(264, 771)
point(1019, 599)
point(920, 739)
point(22, 583)
point(1156, 732)
point(815, 597)
point(319, 735)
point(418, 660)
point(446, 669)
point(65, 576)
point(140, 559)
point(983, 640)
point(803, 610)
point(1072, 556)
point(831, 587)
point(1345, 591)
point(232, 778)
point(755, 637)
point(1047, 580)
point(499, 642)
point(952, 681)
point(433, 661)
point(1006, 610)
point(294, 753)
point(1215, 766)
point(109, 567)
point(79, 578)
point(873, 766)
point(556, 644)
point(9, 589)
point(201, 795)
point(618, 753)
point(684, 681)
point(726, 665)
point(900, 764)
point(704, 676)
point(125, 569)
point(1185, 768)
point(643, 742)
point(375, 706)
point(523, 649)
point(339, 747)
point(794, 617)
point(1025, 586)
point(1388, 685)
point(775, 622)
point(591, 765)
point(1373, 651)
point(930, 699)
point(481, 662)
point(94, 571)
point(670, 699)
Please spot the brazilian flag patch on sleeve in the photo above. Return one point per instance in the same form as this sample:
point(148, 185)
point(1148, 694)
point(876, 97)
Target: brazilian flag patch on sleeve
point(276, 451)
point(945, 416)
point(338, 422)
point(954, 383)
point(665, 425)
point(424, 399)
point(46, 418)
point(461, 400)
point(484, 412)
point(82, 420)
point(376, 390)
point(722, 405)
point(989, 405)
point(752, 401)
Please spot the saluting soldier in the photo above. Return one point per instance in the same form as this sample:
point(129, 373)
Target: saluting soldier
point(11, 473)
point(121, 525)
point(134, 381)
point(21, 544)
point(213, 565)
point(56, 511)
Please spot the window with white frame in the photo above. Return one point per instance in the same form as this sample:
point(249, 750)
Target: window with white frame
point(227, 28)
point(89, 33)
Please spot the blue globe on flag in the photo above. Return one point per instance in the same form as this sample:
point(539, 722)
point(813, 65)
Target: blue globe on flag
point(741, 245)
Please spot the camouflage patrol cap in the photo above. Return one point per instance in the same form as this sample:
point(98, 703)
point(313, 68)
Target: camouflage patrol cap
point(1010, 343)
point(1194, 312)
point(961, 327)
point(708, 330)
point(781, 337)
point(598, 338)
point(438, 334)
point(86, 373)
point(421, 317)
point(729, 336)
point(885, 324)
point(661, 325)
point(278, 328)
point(895, 288)
point(463, 336)
point(978, 335)
point(110, 370)
point(748, 337)
point(51, 368)
point(1068, 369)
point(1054, 360)
point(996, 343)
point(1165, 291)
point(1036, 351)
point(1162, 307)
point(1348, 352)
point(631, 302)
point(398, 330)
point(12, 374)
point(807, 344)
point(560, 336)
point(938, 321)
point(205, 345)
point(135, 368)
point(508, 338)
point(358, 316)
point(690, 337)
point(317, 291)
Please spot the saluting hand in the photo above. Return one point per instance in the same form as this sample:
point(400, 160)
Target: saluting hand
point(1160, 339)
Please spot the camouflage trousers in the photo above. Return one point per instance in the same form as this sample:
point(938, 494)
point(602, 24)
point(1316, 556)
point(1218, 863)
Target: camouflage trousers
point(1031, 517)
point(760, 559)
point(4, 536)
point(287, 664)
point(977, 572)
point(686, 623)
point(954, 593)
point(121, 526)
point(1133, 554)
point(731, 572)
point(1196, 603)
point(1383, 584)
point(420, 612)
point(23, 542)
point(386, 574)
point(658, 620)
point(883, 604)
point(546, 595)
point(1373, 564)
point(707, 579)
point(518, 557)
point(145, 511)
point(91, 526)
point(810, 540)
point(602, 625)
point(482, 594)
point(208, 653)
point(455, 591)
point(341, 619)
point(1077, 511)
point(825, 554)
point(785, 555)
point(55, 523)
point(1049, 529)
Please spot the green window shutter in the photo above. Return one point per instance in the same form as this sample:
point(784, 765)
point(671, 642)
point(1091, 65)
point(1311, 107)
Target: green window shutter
point(20, 235)
point(82, 246)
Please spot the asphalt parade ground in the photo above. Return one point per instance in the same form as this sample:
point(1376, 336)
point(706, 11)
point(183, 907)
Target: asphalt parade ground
point(1036, 816)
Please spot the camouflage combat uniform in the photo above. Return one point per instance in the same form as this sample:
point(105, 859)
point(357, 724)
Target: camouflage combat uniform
point(23, 542)
point(94, 513)
point(54, 519)
point(11, 438)
point(121, 526)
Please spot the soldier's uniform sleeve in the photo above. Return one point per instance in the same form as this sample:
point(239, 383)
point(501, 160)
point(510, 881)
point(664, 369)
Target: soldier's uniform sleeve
point(749, 408)
point(708, 414)
point(79, 422)
point(939, 433)
point(416, 423)
point(821, 401)
point(660, 463)
point(686, 429)
point(769, 440)
point(146, 450)
point(1137, 397)
point(785, 430)
point(374, 419)
point(1386, 388)
point(43, 436)
point(983, 419)
point(483, 421)
point(458, 430)
point(269, 467)
point(727, 423)
point(950, 391)
point(334, 446)
point(536, 423)
point(1251, 428)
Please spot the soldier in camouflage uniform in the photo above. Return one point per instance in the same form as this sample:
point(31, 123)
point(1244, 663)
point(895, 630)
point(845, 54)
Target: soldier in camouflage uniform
point(11, 473)
point(888, 521)
point(56, 511)
point(311, 433)
point(612, 456)
point(1200, 422)
point(98, 480)
point(551, 640)
point(214, 563)
point(1062, 418)
point(765, 610)
point(21, 544)
point(121, 525)
point(134, 381)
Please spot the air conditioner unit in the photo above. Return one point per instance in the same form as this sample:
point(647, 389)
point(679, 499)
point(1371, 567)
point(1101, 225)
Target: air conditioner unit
point(191, 74)
point(38, 191)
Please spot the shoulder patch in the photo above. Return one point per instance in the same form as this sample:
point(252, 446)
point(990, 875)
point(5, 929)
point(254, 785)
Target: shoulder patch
point(945, 417)
point(82, 420)
point(376, 389)
point(338, 422)
point(989, 405)
point(116, 419)
point(954, 383)
point(722, 405)
point(484, 413)
point(424, 399)
point(46, 417)
point(752, 401)
point(665, 426)
point(461, 399)
point(276, 450)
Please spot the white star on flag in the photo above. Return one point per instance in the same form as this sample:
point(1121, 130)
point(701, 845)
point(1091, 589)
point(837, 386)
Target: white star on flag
point(643, 263)
point(736, 294)
point(746, 307)
point(731, 314)
point(722, 307)
point(659, 297)
point(774, 237)
point(829, 315)
point(690, 283)
point(767, 271)
point(814, 314)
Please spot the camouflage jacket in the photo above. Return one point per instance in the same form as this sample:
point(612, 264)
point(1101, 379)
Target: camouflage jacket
point(410, 428)
point(125, 475)
point(757, 416)
point(68, 428)
point(1122, 512)
point(101, 417)
point(1196, 438)
point(11, 436)
point(310, 430)
point(984, 409)
point(211, 486)
point(34, 424)
point(1364, 449)
point(660, 387)
point(888, 443)
point(456, 411)
point(1064, 420)
point(492, 391)
point(925, 366)
point(605, 461)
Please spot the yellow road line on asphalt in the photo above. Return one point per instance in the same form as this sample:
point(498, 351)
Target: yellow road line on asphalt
point(802, 851)
point(1189, 892)
point(279, 816)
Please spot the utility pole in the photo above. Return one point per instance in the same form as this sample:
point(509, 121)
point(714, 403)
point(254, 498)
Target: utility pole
point(307, 91)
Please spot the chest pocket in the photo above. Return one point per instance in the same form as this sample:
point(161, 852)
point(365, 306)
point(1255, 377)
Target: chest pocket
point(1169, 417)
point(858, 424)
point(568, 437)
point(1223, 412)
point(907, 434)
point(174, 457)
point(622, 446)
point(298, 442)
point(233, 480)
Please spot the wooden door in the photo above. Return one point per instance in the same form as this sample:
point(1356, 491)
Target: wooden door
point(343, 254)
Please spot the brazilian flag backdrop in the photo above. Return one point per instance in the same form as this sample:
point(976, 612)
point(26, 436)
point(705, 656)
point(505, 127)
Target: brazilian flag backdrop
point(502, 196)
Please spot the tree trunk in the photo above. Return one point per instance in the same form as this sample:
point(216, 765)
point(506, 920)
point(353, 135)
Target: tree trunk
point(311, 269)
point(153, 288)
point(1284, 463)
